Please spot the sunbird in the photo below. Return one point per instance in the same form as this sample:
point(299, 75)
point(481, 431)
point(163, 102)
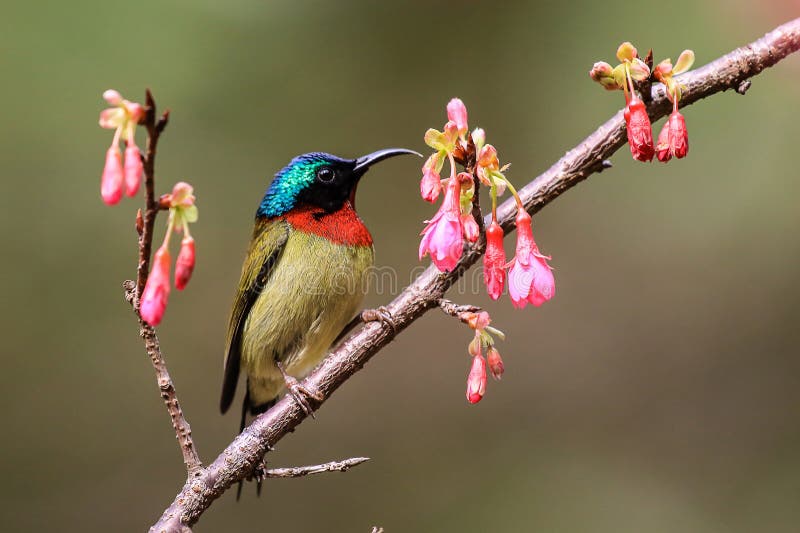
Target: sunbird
point(302, 280)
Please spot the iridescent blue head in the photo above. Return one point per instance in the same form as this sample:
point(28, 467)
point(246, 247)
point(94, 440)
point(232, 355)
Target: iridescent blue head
point(319, 179)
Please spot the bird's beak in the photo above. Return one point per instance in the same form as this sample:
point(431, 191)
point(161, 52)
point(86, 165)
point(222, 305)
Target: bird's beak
point(366, 161)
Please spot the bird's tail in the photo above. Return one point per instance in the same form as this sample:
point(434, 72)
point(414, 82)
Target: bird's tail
point(255, 410)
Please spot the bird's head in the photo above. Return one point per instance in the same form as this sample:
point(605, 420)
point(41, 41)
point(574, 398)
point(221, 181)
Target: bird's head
point(319, 179)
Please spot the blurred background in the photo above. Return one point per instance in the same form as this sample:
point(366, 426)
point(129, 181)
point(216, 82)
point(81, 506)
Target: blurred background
point(659, 391)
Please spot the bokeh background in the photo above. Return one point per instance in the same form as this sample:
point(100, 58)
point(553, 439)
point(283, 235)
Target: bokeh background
point(659, 391)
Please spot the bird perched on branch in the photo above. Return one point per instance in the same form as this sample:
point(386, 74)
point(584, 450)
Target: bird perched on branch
point(302, 280)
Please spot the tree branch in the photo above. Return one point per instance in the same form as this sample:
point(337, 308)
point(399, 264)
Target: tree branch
point(301, 471)
point(133, 290)
point(590, 156)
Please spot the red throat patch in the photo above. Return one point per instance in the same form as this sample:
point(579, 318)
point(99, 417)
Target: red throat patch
point(343, 226)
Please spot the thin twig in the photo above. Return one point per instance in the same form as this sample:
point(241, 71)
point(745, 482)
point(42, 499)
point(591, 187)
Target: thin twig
point(133, 290)
point(241, 456)
point(300, 471)
point(453, 309)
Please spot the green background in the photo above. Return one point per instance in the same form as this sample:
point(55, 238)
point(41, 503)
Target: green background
point(659, 391)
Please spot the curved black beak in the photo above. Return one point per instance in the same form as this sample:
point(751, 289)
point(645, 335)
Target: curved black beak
point(366, 161)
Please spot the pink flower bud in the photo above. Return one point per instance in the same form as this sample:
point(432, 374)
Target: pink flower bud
point(184, 265)
point(603, 74)
point(431, 184)
point(476, 380)
point(442, 239)
point(133, 169)
point(457, 112)
point(487, 158)
point(673, 139)
point(182, 195)
point(111, 181)
point(640, 134)
point(471, 229)
point(496, 366)
point(112, 97)
point(156, 290)
point(494, 261)
point(478, 320)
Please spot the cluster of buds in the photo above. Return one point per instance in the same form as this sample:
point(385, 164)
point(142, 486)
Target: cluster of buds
point(122, 117)
point(530, 278)
point(182, 212)
point(443, 238)
point(673, 139)
point(483, 340)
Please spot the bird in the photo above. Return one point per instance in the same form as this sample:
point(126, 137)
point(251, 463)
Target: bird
point(302, 281)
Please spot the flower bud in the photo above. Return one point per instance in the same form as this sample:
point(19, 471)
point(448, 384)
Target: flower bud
point(457, 112)
point(640, 135)
point(112, 97)
point(133, 169)
point(478, 138)
point(478, 320)
point(156, 290)
point(603, 74)
point(431, 184)
point(673, 139)
point(627, 51)
point(182, 195)
point(639, 70)
point(494, 261)
point(496, 366)
point(471, 229)
point(111, 181)
point(184, 265)
point(476, 380)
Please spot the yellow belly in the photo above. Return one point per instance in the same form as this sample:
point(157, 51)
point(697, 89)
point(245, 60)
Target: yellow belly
point(314, 291)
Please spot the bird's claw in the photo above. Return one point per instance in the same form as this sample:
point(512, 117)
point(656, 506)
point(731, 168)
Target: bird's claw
point(300, 393)
point(382, 315)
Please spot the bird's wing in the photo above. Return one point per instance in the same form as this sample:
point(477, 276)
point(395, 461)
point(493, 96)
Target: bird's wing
point(269, 240)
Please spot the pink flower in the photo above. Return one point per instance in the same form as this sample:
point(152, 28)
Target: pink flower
point(496, 366)
point(494, 261)
point(122, 118)
point(673, 139)
point(156, 290)
point(133, 169)
point(431, 184)
point(471, 229)
point(457, 113)
point(443, 237)
point(476, 380)
point(184, 265)
point(530, 279)
point(111, 181)
point(640, 134)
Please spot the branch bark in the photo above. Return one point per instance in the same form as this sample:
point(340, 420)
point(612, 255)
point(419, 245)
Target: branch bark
point(301, 471)
point(133, 290)
point(244, 453)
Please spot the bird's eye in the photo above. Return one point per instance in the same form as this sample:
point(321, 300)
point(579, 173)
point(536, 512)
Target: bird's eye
point(325, 175)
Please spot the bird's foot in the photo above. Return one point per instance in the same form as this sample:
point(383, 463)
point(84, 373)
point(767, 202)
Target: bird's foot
point(300, 393)
point(382, 315)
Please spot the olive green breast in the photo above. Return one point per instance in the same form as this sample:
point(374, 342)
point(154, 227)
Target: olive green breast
point(313, 292)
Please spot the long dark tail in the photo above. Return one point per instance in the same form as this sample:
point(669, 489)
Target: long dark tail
point(254, 410)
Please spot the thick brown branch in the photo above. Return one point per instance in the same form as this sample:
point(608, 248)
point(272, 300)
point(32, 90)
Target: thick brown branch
point(240, 457)
point(133, 290)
